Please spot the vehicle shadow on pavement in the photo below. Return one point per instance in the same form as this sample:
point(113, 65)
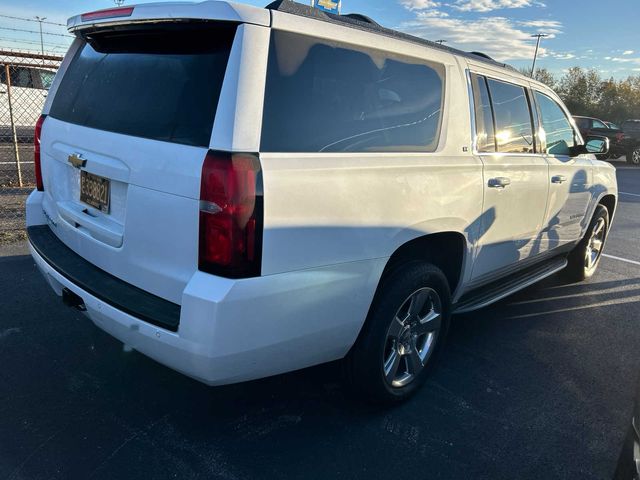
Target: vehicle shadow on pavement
point(76, 403)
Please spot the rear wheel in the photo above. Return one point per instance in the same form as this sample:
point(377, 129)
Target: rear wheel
point(633, 157)
point(403, 334)
point(585, 258)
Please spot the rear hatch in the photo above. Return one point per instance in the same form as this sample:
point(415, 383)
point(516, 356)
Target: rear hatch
point(123, 146)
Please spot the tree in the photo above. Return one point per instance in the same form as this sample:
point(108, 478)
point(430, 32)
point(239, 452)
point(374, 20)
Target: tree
point(545, 76)
point(580, 91)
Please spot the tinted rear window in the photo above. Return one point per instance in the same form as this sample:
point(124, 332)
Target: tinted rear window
point(631, 126)
point(322, 96)
point(161, 83)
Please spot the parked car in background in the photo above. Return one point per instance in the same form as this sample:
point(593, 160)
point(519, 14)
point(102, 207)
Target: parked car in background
point(255, 191)
point(612, 125)
point(628, 467)
point(29, 87)
point(592, 126)
point(631, 130)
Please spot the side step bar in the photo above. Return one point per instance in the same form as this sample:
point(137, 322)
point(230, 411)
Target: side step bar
point(496, 291)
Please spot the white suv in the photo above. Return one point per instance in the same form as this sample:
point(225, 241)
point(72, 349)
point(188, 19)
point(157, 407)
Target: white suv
point(238, 192)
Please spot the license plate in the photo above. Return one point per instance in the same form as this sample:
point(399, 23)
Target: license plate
point(95, 191)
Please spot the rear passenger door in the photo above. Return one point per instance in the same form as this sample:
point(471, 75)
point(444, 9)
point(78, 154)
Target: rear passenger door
point(569, 194)
point(515, 178)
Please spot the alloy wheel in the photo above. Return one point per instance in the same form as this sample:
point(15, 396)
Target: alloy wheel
point(411, 337)
point(595, 244)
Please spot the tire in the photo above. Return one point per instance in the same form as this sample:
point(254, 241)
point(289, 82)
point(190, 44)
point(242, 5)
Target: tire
point(585, 257)
point(401, 341)
point(633, 157)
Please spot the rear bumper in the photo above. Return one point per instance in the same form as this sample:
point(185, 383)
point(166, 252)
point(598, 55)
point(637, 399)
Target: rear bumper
point(237, 330)
point(100, 284)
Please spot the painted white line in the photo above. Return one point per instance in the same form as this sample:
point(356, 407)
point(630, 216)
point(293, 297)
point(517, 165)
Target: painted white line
point(630, 194)
point(632, 262)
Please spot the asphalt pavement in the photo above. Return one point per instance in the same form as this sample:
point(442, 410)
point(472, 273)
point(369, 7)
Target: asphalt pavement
point(540, 385)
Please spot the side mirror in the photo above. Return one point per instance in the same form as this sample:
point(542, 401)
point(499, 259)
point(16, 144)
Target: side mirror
point(595, 144)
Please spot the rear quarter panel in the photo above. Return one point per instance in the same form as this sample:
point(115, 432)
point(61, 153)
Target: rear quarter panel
point(329, 208)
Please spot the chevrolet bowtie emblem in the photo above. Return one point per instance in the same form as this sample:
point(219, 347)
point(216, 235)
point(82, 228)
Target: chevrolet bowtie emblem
point(76, 160)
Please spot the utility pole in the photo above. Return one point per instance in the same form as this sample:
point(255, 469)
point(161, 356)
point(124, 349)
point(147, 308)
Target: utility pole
point(40, 20)
point(535, 55)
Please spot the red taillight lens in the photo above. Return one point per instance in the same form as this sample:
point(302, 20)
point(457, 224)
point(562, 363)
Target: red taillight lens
point(230, 215)
point(619, 136)
point(36, 153)
point(108, 13)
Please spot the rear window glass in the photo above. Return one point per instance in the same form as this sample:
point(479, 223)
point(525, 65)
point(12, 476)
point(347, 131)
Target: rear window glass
point(485, 129)
point(631, 126)
point(514, 131)
point(322, 96)
point(161, 83)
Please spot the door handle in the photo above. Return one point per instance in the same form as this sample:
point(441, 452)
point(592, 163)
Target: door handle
point(499, 182)
point(558, 179)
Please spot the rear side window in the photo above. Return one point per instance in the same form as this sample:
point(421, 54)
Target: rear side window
point(558, 131)
point(514, 131)
point(485, 129)
point(161, 82)
point(582, 123)
point(20, 77)
point(44, 78)
point(322, 96)
point(631, 126)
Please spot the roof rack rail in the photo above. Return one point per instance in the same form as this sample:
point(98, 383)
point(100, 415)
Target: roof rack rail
point(362, 22)
point(483, 55)
point(362, 18)
point(295, 8)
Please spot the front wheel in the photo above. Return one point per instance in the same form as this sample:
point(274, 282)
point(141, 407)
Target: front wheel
point(585, 257)
point(633, 157)
point(403, 335)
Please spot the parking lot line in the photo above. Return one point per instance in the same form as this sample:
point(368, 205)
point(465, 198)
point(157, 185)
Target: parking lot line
point(630, 194)
point(632, 262)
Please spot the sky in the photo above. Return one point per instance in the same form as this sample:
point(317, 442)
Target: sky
point(589, 33)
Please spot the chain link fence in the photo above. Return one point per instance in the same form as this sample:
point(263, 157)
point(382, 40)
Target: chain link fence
point(25, 79)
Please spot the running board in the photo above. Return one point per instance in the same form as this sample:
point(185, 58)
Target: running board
point(496, 291)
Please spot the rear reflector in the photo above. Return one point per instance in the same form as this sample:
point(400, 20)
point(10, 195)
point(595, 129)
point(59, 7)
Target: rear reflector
point(36, 153)
point(108, 13)
point(231, 215)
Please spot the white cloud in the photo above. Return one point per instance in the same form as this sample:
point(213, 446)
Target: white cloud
point(434, 14)
point(628, 52)
point(419, 4)
point(548, 26)
point(498, 37)
point(490, 5)
point(624, 60)
point(564, 56)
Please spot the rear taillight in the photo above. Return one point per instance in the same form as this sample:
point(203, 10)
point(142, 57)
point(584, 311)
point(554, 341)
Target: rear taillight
point(619, 137)
point(108, 13)
point(230, 215)
point(36, 153)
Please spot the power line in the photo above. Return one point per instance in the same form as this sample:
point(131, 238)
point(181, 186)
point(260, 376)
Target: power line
point(32, 42)
point(35, 31)
point(31, 20)
point(29, 50)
